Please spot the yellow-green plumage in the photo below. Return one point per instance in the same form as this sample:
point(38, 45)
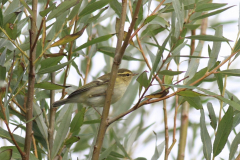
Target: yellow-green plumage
point(93, 93)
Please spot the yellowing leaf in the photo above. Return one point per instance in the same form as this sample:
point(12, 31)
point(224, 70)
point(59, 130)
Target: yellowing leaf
point(158, 94)
point(68, 38)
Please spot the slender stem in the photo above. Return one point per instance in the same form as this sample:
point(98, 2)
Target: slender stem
point(51, 117)
point(136, 31)
point(166, 129)
point(9, 131)
point(40, 28)
point(117, 61)
point(31, 82)
point(146, 61)
point(69, 58)
point(13, 42)
point(35, 147)
point(88, 61)
point(183, 131)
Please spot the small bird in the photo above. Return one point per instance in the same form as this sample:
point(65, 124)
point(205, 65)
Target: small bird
point(94, 93)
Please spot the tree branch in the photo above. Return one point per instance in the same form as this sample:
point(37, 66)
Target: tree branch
point(31, 81)
point(117, 61)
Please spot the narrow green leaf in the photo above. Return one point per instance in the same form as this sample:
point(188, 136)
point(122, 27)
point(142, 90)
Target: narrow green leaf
point(69, 38)
point(237, 46)
point(194, 63)
point(149, 19)
point(143, 80)
point(192, 26)
point(189, 93)
point(10, 18)
point(5, 135)
point(47, 10)
point(26, 7)
point(151, 31)
point(120, 146)
point(170, 73)
point(94, 41)
point(54, 68)
point(212, 116)
point(130, 139)
point(205, 137)
point(158, 150)
point(1, 18)
point(91, 7)
point(11, 30)
point(94, 18)
point(211, 13)
point(15, 152)
point(219, 78)
point(3, 57)
point(117, 7)
point(76, 68)
point(77, 122)
point(92, 121)
point(208, 38)
point(176, 51)
point(2, 73)
point(230, 102)
point(61, 8)
point(194, 101)
point(223, 131)
point(216, 48)
point(209, 6)
point(49, 86)
point(71, 140)
point(62, 131)
point(179, 10)
point(48, 62)
point(231, 72)
point(40, 120)
point(110, 51)
point(6, 101)
point(159, 55)
point(104, 155)
point(159, 21)
point(196, 76)
point(140, 158)
point(234, 146)
point(6, 154)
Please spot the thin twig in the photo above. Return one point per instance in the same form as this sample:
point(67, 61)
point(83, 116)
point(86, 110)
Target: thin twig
point(34, 146)
point(117, 60)
point(69, 58)
point(13, 42)
point(166, 129)
point(10, 133)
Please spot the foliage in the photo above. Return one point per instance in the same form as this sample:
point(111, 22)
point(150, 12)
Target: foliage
point(167, 47)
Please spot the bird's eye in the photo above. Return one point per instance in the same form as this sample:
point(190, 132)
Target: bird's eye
point(128, 74)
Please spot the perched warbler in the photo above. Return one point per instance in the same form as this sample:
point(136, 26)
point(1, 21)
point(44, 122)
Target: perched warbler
point(94, 93)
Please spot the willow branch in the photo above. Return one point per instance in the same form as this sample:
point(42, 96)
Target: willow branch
point(117, 61)
point(31, 82)
point(166, 129)
point(51, 117)
point(183, 131)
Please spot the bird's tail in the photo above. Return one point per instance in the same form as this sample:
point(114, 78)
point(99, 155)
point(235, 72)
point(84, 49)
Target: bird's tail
point(60, 102)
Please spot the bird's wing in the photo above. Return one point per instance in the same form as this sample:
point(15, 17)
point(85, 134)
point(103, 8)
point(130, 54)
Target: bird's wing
point(88, 86)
